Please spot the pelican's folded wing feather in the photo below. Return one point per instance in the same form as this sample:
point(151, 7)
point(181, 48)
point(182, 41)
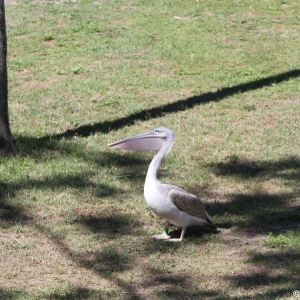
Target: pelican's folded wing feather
point(188, 203)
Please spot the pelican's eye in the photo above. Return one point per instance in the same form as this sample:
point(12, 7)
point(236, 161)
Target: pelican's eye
point(157, 130)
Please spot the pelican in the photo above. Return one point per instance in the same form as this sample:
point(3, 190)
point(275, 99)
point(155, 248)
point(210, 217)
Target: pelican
point(170, 202)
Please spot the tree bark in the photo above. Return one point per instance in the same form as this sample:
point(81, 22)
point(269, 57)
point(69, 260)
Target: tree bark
point(6, 139)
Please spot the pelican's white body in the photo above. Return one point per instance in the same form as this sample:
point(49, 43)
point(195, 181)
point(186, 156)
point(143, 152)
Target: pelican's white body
point(168, 201)
point(157, 193)
point(156, 196)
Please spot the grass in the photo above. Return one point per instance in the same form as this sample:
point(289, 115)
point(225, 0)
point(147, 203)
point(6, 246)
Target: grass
point(82, 74)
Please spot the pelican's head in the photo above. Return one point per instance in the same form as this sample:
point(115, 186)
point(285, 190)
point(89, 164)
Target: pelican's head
point(152, 140)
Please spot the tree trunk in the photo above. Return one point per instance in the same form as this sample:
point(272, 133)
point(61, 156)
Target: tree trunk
point(6, 140)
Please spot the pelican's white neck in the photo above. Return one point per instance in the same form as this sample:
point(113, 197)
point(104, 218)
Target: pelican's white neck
point(156, 161)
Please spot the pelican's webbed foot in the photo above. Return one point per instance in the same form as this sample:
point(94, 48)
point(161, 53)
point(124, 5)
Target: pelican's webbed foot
point(181, 236)
point(163, 236)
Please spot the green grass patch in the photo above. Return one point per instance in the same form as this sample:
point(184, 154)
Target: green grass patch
point(287, 240)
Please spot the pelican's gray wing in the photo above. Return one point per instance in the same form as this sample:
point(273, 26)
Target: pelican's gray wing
point(189, 203)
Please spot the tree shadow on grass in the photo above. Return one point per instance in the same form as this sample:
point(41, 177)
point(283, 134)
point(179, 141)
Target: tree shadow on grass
point(108, 262)
point(79, 293)
point(113, 260)
point(11, 213)
point(277, 277)
point(77, 180)
point(130, 164)
point(263, 212)
point(197, 235)
point(260, 210)
point(112, 226)
point(104, 262)
point(50, 141)
point(129, 167)
point(244, 168)
point(175, 286)
point(195, 232)
point(11, 294)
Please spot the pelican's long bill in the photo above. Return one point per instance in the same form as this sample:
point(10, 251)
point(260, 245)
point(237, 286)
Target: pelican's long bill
point(152, 140)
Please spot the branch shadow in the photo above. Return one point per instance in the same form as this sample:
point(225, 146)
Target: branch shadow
point(160, 111)
point(180, 105)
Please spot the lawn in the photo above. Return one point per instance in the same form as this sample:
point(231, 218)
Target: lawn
point(224, 76)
